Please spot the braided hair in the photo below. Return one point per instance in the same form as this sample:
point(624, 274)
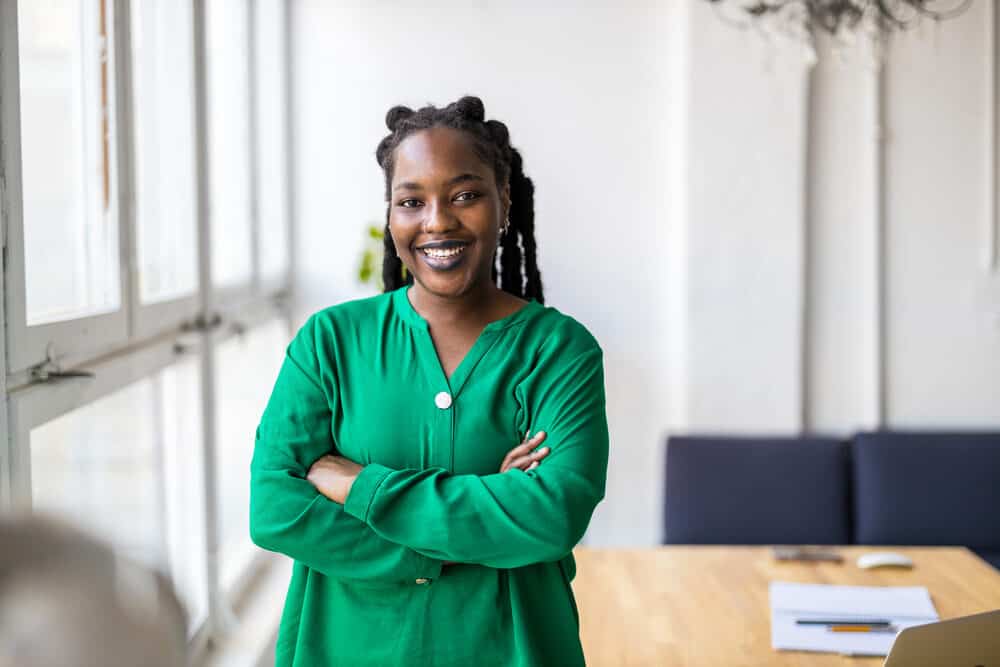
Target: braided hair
point(518, 273)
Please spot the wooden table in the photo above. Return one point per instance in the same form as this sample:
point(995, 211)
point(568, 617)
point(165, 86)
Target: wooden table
point(689, 605)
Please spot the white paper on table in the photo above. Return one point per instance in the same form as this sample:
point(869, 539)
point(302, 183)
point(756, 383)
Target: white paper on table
point(904, 606)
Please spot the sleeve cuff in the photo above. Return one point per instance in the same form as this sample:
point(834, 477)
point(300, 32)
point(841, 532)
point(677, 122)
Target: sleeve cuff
point(359, 502)
point(362, 493)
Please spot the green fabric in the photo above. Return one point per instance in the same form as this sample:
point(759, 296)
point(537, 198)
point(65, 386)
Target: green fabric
point(361, 378)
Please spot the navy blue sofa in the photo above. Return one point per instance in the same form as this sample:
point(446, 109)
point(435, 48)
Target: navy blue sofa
point(757, 491)
point(928, 488)
point(905, 488)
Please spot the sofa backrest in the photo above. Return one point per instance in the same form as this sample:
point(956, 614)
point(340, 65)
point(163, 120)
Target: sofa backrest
point(927, 488)
point(724, 490)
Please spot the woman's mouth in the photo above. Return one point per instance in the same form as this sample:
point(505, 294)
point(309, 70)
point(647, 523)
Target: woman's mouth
point(443, 258)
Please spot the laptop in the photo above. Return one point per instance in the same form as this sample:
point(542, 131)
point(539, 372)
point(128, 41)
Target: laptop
point(969, 641)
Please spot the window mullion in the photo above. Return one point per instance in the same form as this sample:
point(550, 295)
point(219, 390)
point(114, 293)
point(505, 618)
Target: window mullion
point(126, 162)
point(254, 154)
point(10, 214)
point(216, 613)
point(289, 130)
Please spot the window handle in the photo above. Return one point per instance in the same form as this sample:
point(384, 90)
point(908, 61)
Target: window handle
point(44, 375)
point(202, 323)
point(50, 371)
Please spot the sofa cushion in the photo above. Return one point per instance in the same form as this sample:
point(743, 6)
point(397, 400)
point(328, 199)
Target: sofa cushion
point(723, 490)
point(927, 488)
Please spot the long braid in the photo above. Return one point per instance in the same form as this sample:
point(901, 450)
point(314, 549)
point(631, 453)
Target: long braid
point(392, 265)
point(522, 218)
point(518, 272)
point(510, 261)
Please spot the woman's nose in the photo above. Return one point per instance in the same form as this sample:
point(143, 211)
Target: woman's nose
point(439, 219)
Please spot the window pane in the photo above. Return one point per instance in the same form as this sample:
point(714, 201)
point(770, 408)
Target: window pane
point(226, 37)
point(272, 147)
point(128, 468)
point(179, 389)
point(247, 369)
point(163, 103)
point(99, 466)
point(67, 152)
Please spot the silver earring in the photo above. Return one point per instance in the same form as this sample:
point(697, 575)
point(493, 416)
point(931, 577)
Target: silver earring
point(506, 225)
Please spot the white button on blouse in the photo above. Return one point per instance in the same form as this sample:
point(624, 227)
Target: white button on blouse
point(443, 400)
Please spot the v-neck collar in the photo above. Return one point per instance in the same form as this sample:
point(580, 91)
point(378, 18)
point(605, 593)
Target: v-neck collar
point(484, 341)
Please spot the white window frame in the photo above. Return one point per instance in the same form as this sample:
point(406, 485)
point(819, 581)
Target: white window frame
point(146, 319)
point(33, 405)
point(276, 285)
point(70, 340)
point(230, 296)
point(138, 340)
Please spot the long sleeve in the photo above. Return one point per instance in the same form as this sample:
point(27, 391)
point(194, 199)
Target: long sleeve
point(510, 519)
point(287, 514)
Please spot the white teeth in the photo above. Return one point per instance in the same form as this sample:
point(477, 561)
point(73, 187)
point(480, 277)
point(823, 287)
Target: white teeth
point(443, 252)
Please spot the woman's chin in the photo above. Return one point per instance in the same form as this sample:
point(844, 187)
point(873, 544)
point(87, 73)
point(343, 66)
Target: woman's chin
point(446, 284)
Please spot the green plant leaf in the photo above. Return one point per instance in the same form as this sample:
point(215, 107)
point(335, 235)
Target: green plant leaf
point(367, 267)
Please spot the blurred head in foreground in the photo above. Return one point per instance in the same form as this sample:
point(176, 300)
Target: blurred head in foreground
point(66, 599)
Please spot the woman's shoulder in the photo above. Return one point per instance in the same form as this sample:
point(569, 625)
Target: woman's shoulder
point(561, 333)
point(352, 312)
point(344, 321)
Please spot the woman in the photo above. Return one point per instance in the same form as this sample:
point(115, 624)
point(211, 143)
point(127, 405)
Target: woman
point(381, 463)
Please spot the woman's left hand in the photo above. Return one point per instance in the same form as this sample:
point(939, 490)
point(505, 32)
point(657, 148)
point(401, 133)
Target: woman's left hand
point(333, 476)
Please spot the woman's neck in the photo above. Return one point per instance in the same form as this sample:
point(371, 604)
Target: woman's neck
point(476, 307)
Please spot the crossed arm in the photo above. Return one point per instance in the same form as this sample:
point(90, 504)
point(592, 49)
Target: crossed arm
point(334, 475)
point(378, 524)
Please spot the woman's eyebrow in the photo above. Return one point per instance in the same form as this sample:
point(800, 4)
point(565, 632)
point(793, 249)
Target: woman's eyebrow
point(461, 178)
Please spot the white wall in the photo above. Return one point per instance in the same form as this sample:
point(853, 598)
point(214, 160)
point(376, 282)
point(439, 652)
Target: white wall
point(745, 170)
point(706, 205)
point(787, 262)
point(943, 308)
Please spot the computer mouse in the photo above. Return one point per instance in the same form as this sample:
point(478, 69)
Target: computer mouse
point(883, 559)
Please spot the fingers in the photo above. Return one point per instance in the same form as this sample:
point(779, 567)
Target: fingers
point(524, 462)
point(526, 446)
point(522, 450)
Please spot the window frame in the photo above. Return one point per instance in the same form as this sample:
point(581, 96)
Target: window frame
point(274, 284)
point(29, 346)
point(137, 340)
point(248, 289)
point(34, 405)
point(150, 319)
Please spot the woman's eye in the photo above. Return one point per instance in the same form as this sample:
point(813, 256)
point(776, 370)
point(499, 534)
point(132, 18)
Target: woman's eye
point(410, 203)
point(466, 196)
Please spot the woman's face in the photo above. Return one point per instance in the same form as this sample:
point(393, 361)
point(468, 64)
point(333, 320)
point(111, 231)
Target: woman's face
point(445, 211)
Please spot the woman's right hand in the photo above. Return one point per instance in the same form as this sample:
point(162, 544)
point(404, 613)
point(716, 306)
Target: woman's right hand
point(522, 457)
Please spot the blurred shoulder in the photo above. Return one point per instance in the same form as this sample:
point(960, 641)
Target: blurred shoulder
point(355, 313)
point(346, 323)
point(560, 334)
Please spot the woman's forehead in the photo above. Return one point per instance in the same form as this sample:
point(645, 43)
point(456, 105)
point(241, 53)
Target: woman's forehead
point(437, 152)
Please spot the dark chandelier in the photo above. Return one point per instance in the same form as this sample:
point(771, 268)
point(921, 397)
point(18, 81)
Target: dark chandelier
point(839, 16)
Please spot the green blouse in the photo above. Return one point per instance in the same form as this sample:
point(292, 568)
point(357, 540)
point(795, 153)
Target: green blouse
point(368, 587)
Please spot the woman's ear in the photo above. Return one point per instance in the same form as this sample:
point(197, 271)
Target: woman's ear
point(505, 197)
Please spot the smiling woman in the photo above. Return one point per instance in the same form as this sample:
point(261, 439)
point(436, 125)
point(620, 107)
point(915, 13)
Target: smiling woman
point(494, 172)
point(394, 461)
